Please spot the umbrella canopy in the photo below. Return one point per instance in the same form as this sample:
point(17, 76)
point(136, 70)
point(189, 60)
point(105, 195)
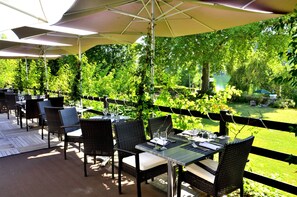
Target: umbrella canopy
point(19, 13)
point(79, 42)
point(32, 48)
point(171, 18)
point(262, 91)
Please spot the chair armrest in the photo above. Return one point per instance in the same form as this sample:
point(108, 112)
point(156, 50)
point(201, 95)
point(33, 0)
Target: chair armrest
point(69, 126)
point(208, 169)
point(126, 151)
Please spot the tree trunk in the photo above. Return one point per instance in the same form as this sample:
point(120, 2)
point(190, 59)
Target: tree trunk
point(205, 77)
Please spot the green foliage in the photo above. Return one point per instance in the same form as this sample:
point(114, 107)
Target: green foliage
point(284, 103)
point(19, 78)
point(7, 72)
point(254, 189)
point(188, 100)
point(144, 84)
point(288, 25)
point(294, 130)
point(76, 92)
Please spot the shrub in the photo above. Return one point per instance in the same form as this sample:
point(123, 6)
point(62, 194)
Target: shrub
point(283, 103)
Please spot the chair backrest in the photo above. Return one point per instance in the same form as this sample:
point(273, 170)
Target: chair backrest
point(57, 101)
point(53, 119)
point(69, 117)
point(97, 136)
point(128, 135)
point(10, 100)
point(160, 124)
point(41, 106)
point(231, 165)
point(2, 95)
point(32, 110)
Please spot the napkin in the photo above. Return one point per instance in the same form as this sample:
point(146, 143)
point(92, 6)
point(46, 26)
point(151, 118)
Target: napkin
point(189, 132)
point(209, 145)
point(159, 141)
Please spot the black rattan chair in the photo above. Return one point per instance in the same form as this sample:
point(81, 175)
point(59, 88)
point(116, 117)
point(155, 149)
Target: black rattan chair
point(219, 178)
point(97, 139)
point(31, 111)
point(142, 165)
point(10, 103)
point(53, 121)
point(70, 125)
point(160, 124)
point(42, 116)
point(57, 101)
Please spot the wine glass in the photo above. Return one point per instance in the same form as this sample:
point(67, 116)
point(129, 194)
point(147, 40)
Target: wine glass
point(163, 137)
point(156, 136)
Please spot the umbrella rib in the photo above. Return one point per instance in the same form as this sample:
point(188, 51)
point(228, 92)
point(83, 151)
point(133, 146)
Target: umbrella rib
point(164, 14)
point(127, 14)
point(135, 16)
point(183, 12)
point(24, 12)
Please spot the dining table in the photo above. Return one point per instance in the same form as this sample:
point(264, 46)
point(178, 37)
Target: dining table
point(182, 151)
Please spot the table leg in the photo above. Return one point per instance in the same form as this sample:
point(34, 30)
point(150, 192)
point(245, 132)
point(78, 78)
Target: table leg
point(170, 179)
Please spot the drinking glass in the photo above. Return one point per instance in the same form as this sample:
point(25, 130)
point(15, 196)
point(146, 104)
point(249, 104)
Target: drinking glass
point(156, 136)
point(163, 137)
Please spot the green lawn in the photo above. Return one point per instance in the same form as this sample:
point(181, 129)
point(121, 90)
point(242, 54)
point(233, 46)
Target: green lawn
point(270, 139)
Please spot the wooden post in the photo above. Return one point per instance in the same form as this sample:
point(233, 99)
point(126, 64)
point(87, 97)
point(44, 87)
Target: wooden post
point(223, 125)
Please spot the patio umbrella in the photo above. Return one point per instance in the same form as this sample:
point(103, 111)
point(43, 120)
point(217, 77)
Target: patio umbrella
point(262, 91)
point(78, 39)
point(19, 13)
point(170, 18)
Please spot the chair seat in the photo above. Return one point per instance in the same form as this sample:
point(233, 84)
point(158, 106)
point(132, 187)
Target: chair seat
point(202, 173)
point(146, 161)
point(75, 133)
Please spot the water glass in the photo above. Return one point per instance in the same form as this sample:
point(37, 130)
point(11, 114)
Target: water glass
point(156, 136)
point(163, 137)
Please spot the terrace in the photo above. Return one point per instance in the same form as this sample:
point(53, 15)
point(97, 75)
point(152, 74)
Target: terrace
point(9, 127)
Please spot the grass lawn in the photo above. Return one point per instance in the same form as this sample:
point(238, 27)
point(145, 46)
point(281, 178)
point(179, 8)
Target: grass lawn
point(270, 139)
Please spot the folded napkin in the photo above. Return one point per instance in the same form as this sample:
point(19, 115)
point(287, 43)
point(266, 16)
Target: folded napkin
point(209, 145)
point(159, 141)
point(189, 132)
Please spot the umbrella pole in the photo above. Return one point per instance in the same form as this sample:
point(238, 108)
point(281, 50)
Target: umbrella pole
point(152, 48)
point(45, 66)
point(79, 58)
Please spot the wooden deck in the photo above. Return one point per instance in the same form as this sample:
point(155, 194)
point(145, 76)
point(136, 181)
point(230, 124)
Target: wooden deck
point(14, 140)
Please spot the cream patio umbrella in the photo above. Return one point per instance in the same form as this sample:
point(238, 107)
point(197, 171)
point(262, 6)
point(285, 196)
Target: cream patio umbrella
point(15, 13)
point(170, 18)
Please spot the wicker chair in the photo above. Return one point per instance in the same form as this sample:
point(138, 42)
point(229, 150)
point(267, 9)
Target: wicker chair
point(219, 178)
point(31, 111)
point(142, 165)
point(57, 101)
point(10, 103)
point(53, 121)
point(97, 139)
point(42, 116)
point(70, 125)
point(162, 123)
point(2, 100)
